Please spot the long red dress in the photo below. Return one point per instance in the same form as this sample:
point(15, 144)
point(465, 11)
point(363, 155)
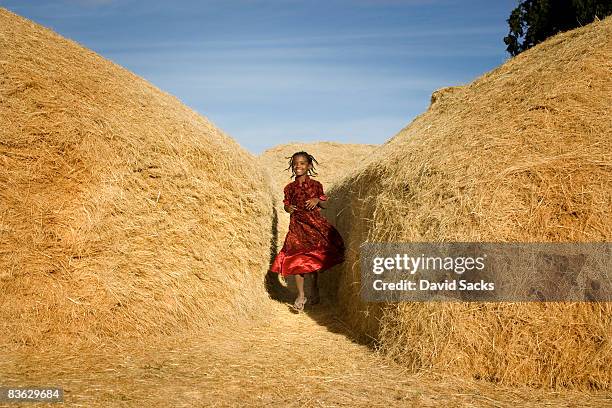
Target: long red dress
point(312, 244)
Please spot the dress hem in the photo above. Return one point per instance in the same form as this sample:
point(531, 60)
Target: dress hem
point(305, 262)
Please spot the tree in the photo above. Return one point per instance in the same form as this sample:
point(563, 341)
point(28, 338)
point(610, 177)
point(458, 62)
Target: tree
point(533, 21)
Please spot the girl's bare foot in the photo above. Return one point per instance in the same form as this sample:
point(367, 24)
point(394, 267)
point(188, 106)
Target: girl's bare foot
point(301, 299)
point(299, 303)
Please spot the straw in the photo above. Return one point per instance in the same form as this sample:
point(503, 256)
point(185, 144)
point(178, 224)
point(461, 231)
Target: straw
point(123, 213)
point(522, 154)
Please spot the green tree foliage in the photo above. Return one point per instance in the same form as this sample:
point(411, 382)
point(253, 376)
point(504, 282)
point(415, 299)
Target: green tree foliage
point(533, 21)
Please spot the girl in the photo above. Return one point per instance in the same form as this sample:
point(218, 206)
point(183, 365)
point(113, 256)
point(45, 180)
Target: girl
point(312, 244)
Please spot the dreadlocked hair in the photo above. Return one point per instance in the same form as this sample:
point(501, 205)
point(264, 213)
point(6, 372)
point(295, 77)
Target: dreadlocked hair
point(309, 157)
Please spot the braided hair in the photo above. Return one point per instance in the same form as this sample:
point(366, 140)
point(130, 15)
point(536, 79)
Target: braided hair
point(309, 157)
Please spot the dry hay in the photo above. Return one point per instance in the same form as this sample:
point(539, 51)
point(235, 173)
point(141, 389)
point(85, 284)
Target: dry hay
point(281, 360)
point(122, 212)
point(522, 154)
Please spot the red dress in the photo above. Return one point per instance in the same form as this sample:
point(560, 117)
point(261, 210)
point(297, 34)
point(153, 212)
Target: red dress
point(312, 244)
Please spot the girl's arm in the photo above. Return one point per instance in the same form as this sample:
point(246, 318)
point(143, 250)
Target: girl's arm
point(287, 206)
point(322, 197)
point(318, 201)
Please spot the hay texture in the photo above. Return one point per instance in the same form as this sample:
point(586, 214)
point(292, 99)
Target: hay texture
point(122, 212)
point(522, 154)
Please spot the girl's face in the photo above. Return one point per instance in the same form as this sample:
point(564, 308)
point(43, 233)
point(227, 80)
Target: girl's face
point(300, 166)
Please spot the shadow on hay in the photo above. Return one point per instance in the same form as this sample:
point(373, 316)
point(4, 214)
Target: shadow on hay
point(324, 313)
point(273, 285)
point(327, 314)
point(275, 290)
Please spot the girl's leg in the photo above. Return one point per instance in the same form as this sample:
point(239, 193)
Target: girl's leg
point(299, 282)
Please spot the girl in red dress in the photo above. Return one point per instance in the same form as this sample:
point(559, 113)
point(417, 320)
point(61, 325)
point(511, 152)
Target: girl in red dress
point(312, 244)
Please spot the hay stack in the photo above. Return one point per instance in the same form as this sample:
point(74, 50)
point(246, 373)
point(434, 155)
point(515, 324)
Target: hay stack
point(122, 212)
point(521, 154)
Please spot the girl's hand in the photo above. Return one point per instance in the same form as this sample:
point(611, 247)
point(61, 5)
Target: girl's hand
point(290, 208)
point(312, 203)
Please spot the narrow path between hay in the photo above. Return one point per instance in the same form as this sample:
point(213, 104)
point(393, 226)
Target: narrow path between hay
point(281, 360)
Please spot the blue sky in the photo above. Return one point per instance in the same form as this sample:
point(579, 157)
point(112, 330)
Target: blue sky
point(270, 72)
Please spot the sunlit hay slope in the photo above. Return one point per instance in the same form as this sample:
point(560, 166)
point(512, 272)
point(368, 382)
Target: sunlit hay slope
point(335, 161)
point(523, 153)
point(122, 212)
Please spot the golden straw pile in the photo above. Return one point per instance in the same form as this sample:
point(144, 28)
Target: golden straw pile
point(122, 212)
point(524, 153)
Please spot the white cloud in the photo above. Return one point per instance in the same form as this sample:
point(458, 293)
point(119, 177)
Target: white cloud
point(313, 43)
